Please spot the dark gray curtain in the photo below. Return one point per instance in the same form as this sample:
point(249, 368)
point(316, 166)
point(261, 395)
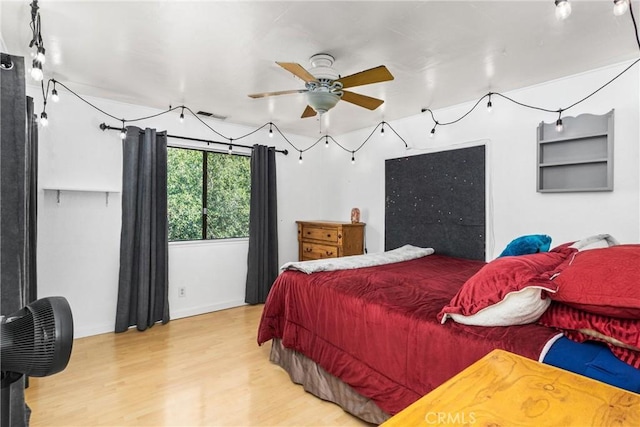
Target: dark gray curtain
point(14, 212)
point(31, 292)
point(143, 288)
point(262, 264)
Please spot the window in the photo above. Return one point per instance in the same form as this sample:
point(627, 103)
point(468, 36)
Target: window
point(208, 194)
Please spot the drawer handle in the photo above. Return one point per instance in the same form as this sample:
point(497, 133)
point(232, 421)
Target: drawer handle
point(329, 253)
point(328, 235)
point(308, 249)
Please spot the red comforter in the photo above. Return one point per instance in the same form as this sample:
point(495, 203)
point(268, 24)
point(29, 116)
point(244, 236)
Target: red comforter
point(375, 328)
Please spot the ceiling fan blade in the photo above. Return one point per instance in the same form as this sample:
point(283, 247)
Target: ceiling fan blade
point(308, 112)
point(297, 70)
point(373, 75)
point(282, 92)
point(361, 100)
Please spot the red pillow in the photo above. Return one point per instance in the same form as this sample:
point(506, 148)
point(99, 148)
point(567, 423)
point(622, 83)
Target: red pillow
point(621, 335)
point(602, 281)
point(507, 291)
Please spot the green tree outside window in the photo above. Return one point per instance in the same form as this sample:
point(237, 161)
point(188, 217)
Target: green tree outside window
point(208, 194)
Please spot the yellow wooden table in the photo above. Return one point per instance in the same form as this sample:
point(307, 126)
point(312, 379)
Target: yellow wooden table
point(504, 389)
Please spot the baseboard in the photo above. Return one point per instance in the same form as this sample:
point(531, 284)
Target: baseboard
point(81, 332)
point(194, 311)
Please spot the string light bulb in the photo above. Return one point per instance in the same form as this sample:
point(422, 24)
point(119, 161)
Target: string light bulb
point(40, 57)
point(300, 158)
point(382, 130)
point(353, 158)
point(123, 131)
point(54, 95)
point(230, 150)
point(620, 7)
point(44, 120)
point(563, 9)
point(432, 134)
point(36, 71)
point(270, 130)
point(559, 125)
point(182, 115)
point(326, 141)
point(489, 104)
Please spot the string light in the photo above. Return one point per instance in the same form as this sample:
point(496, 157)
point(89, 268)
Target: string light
point(326, 141)
point(123, 131)
point(620, 7)
point(40, 57)
point(182, 115)
point(563, 9)
point(560, 5)
point(36, 41)
point(36, 71)
point(559, 125)
point(44, 120)
point(353, 157)
point(489, 104)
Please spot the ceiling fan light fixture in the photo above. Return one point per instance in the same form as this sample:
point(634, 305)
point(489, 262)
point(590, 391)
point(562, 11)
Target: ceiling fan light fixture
point(322, 102)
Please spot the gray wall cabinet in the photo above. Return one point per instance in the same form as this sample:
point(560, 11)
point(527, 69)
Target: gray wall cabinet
point(580, 158)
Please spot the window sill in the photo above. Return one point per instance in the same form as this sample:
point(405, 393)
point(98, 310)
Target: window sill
point(216, 242)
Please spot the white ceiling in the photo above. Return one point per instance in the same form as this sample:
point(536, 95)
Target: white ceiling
point(209, 55)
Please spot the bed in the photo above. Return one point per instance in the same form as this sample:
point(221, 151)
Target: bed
point(372, 338)
point(374, 333)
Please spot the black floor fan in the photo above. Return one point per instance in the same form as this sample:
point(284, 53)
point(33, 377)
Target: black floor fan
point(35, 341)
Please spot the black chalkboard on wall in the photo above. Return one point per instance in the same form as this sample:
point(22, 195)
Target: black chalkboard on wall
point(437, 200)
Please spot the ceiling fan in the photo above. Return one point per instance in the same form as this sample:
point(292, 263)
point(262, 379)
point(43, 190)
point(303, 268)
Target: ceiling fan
point(324, 86)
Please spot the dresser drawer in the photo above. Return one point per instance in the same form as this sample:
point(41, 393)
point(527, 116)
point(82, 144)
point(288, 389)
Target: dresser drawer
point(318, 233)
point(329, 239)
point(316, 251)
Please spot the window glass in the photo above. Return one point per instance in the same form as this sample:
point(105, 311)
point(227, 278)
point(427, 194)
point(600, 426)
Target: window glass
point(219, 182)
point(228, 195)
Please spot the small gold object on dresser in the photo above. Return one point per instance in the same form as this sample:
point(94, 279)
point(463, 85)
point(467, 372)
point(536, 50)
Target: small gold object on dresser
point(329, 239)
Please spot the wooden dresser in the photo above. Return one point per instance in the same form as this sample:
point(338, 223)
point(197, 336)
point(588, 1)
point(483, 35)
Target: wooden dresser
point(329, 239)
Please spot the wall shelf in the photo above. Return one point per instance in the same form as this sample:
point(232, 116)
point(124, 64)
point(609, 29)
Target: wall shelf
point(580, 158)
point(59, 189)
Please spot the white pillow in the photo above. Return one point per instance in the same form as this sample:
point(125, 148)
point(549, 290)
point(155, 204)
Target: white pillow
point(517, 308)
point(595, 242)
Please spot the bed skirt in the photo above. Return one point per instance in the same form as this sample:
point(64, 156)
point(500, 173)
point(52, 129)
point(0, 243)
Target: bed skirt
point(320, 383)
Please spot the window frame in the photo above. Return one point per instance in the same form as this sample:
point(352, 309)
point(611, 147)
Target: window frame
point(203, 202)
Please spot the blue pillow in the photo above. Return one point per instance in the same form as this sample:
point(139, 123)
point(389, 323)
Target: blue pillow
point(529, 244)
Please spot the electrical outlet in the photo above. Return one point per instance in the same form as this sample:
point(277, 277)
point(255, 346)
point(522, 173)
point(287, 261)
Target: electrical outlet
point(182, 291)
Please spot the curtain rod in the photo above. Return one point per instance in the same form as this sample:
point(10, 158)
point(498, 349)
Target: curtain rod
point(105, 126)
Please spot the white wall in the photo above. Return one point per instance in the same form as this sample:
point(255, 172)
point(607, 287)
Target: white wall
point(510, 136)
point(79, 237)
point(78, 246)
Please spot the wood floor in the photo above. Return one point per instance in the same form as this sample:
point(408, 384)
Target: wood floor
point(200, 371)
